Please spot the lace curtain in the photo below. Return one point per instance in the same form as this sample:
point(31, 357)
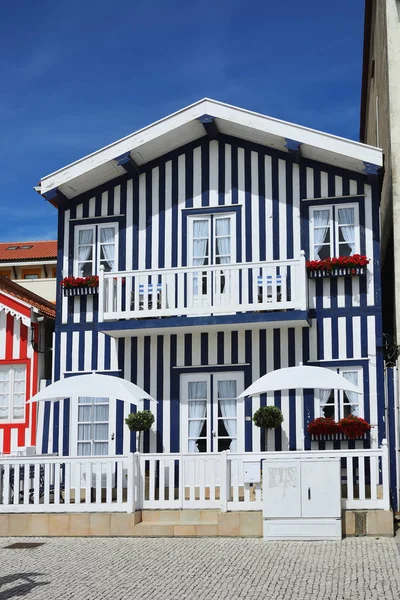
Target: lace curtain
point(85, 252)
point(346, 224)
point(323, 400)
point(352, 376)
point(227, 401)
point(223, 235)
point(197, 411)
point(107, 248)
point(321, 227)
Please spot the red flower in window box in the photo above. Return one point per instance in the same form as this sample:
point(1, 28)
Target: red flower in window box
point(323, 426)
point(354, 427)
point(342, 265)
point(80, 282)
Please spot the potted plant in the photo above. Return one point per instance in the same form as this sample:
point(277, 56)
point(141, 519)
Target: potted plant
point(80, 286)
point(334, 267)
point(268, 417)
point(354, 427)
point(140, 421)
point(323, 426)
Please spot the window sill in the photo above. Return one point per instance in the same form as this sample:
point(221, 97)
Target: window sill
point(80, 291)
point(340, 272)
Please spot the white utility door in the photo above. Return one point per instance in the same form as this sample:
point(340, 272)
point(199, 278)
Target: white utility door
point(93, 427)
point(212, 416)
point(320, 490)
point(211, 242)
point(282, 489)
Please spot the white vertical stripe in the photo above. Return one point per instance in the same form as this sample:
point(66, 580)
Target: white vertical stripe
point(268, 208)
point(310, 182)
point(299, 393)
point(75, 350)
point(282, 209)
point(114, 354)
point(196, 339)
point(255, 374)
point(181, 204)
point(313, 340)
point(129, 224)
point(39, 427)
point(87, 361)
point(197, 177)
point(89, 309)
point(372, 369)
point(117, 200)
point(355, 287)
point(100, 351)
point(324, 184)
point(167, 394)
point(285, 394)
point(357, 337)
point(92, 207)
point(255, 221)
point(241, 344)
point(342, 337)
point(227, 348)
point(14, 440)
point(326, 291)
point(3, 324)
point(338, 186)
point(341, 298)
point(241, 198)
point(312, 296)
point(228, 174)
point(180, 350)
point(63, 353)
point(270, 395)
point(213, 173)
point(127, 374)
point(296, 210)
point(79, 211)
point(16, 349)
point(212, 348)
point(369, 247)
point(64, 301)
point(155, 176)
point(327, 338)
point(77, 310)
point(104, 204)
point(168, 215)
point(153, 391)
point(353, 187)
point(142, 222)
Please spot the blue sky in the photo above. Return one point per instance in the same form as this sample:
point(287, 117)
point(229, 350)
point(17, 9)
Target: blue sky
point(79, 75)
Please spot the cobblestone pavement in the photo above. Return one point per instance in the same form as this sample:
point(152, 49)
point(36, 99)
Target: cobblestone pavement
point(213, 568)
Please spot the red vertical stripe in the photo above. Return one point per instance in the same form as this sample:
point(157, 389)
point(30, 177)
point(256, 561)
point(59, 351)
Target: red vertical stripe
point(34, 365)
point(9, 337)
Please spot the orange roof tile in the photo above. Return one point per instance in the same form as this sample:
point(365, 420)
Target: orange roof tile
point(13, 289)
point(10, 251)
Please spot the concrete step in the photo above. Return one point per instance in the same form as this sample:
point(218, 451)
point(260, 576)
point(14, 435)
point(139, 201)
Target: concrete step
point(175, 529)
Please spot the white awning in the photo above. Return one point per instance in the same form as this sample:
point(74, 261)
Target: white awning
point(302, 377)
point(93, 385)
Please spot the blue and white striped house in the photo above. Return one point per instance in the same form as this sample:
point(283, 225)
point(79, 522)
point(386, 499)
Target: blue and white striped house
point(199, 227)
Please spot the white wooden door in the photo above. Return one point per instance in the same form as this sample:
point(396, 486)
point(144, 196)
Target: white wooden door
point(320, 489)
point(92, 426)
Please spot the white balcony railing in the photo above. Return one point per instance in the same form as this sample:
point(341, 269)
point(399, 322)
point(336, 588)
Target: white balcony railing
point(205, 290)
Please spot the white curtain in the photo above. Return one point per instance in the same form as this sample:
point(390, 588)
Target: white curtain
point(321, 227)
point(223, 233)
point(85, 244)
point(323, 399)
point(200, 242)
point(107, 244)
point(197, 393)
point(352, 376)
point(4, 392)
point(346, 219)
point(227, 401)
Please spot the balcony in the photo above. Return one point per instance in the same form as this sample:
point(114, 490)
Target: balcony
point(259, 287)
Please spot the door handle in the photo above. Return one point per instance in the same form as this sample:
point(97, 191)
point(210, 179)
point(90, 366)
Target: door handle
point(214, 434)
point(112, 437)
point(309, 493)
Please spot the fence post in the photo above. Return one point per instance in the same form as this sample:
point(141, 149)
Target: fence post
point(138, 482)
point(131, 483)
point(225, 484)
point(385, 475)
point(303, 281)
point(101, 294)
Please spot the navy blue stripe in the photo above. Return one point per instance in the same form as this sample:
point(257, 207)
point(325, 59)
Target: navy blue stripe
point(161, 217)
point(292, 393)
point(235, 181)
point(95, 345)
point(317, 182)
point(220, 347)
point(97, 205)
point(320, 339)
point(275, 209)
point(305, 342)
point(248, 402)
point(334, 292)
point(149, 212)
point(234, 347)
point(349, 337)
point(146, 385)
point(205, 173)
point(263, 370)
point(308, 396)
point(134, 377)
point(110, 202)
point(335, 337)
point(261, 207)
point(174, 400)
point(204, 349)
point(247, 196)
point(189, 179)
point(289, 209)
point(85, 208)
point(119, 427)
point(221, 173)
point(160, 392)
point(107, 352)
point(364, 336)
point(122, 230)
point(188, 349)
point(304, 213)
point(174, 232)
point(135, 224)
point(277, 395)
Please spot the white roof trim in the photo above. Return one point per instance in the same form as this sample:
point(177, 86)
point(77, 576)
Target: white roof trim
point(251, 120)
point(10, 311)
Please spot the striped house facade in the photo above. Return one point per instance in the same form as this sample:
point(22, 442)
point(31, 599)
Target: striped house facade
point(269, 195)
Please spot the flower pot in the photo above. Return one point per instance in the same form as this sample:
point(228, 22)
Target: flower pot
point(335, 437)
point(336, 272)
point(80, 291)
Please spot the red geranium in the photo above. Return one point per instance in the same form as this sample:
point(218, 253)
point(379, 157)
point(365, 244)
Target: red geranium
point(327, 264)
point(323, 426)
point(78, 282)
point(354, 427)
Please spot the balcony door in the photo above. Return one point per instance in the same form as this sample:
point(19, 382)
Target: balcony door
point(212, 415)
point(211, 243)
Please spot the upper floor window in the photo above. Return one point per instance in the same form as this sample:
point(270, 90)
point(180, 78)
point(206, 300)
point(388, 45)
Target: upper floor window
point(12, 392)
point(338, 404)
point(95, 245)
point(211, 239)
point(335, 231)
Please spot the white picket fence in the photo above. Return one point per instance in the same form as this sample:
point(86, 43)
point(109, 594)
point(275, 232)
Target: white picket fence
point(171, 481)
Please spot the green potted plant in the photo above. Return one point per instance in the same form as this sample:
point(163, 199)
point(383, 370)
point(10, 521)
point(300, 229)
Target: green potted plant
point(140, 421)
point(268, 417)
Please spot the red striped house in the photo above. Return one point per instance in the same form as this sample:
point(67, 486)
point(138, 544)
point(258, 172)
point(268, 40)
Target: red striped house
point(26, 325)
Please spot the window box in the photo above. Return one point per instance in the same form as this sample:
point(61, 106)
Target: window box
point(335, 437)
point(338, 272)
point(80, 291)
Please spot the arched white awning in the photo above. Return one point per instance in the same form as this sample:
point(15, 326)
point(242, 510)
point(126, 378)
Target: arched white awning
point(301, 377)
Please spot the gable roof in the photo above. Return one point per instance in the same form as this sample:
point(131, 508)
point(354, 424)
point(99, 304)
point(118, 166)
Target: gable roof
point(184, 127)
point(10, 251)
point(20, 293)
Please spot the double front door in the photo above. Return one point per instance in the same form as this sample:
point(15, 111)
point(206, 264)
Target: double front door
point(212, 415)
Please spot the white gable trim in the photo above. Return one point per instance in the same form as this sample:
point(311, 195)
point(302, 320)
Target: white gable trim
point(17, 315)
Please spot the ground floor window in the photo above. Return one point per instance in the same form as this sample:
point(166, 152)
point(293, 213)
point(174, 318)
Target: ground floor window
point(338, 403)
point(212, 416)
point(93, 426)
point(12, 392)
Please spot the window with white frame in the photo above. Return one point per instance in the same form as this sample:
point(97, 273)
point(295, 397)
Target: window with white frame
point(335, 231)
point(12, 392)
point(338, 404)
point(95, 245)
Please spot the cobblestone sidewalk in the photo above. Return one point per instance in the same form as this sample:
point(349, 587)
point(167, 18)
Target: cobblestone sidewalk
point(197, 569)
